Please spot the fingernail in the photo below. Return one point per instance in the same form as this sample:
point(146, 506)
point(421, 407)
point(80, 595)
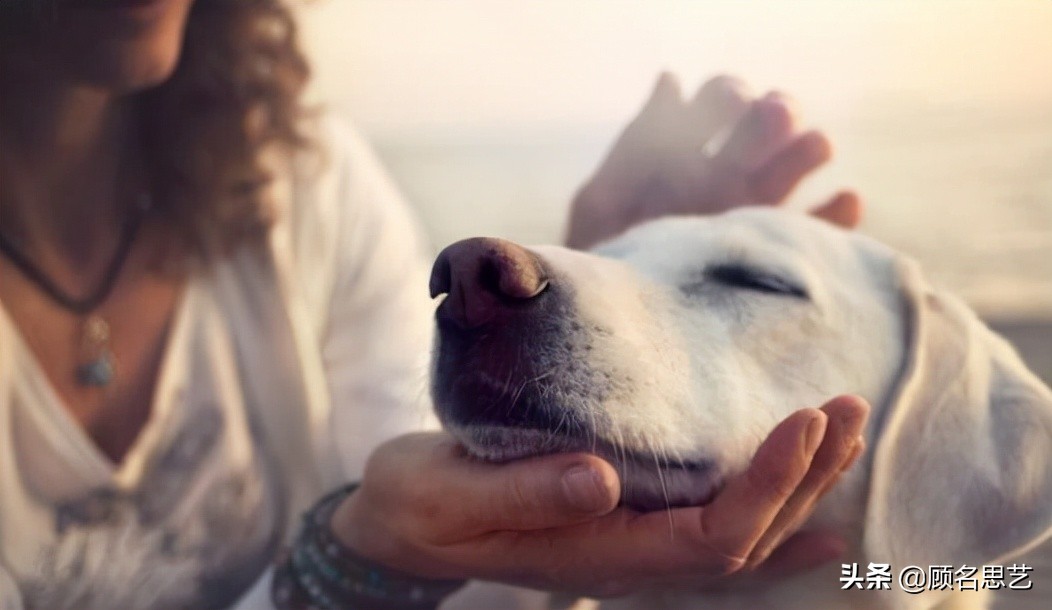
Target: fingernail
point(584, 489)
point(856, 450)
point(855, 417)
point(773, 116)
point(816, 430)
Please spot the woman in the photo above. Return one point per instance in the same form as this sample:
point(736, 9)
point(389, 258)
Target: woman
point(214, 309)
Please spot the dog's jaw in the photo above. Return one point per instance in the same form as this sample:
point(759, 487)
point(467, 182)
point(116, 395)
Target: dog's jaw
point(648, 481)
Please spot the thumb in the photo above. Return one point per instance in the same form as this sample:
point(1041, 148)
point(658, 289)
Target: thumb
point(666, 90)
point(844, 209)
point(535, 493)
point(664, 101)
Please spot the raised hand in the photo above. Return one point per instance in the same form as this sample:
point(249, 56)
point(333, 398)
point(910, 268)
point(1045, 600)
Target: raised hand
point(721, 149)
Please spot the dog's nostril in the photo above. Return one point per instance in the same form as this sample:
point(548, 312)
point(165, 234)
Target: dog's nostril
point(482, 276)
point(441, 278)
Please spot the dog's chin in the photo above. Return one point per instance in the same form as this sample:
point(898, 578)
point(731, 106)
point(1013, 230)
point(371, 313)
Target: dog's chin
point(648, 482)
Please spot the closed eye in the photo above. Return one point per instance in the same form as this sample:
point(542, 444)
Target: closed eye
point(749, 278)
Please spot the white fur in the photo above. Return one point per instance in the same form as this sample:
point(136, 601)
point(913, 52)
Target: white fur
point(959, 467)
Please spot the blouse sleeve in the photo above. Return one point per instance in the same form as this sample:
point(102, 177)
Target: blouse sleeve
point(10, 598)
point(368, 289)
point(363, 265)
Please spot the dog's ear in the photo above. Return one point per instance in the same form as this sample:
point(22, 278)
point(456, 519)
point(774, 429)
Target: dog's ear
point(962, 471)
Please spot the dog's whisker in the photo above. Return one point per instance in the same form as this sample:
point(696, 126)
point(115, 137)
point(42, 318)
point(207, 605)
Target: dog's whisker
point(563, 417)
point(512, 369)
point(620, 455)
point(593, 433)
point(522, 387)
point(664, 493)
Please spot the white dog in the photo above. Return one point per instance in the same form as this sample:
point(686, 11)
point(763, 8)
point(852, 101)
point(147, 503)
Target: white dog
point(676, 348)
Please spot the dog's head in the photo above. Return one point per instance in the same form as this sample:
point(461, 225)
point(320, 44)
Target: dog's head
point(676, 348)
point(673, 350)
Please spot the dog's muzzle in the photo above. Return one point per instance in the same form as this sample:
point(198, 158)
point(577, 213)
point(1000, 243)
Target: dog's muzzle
point(512, 373)
point(500, 316)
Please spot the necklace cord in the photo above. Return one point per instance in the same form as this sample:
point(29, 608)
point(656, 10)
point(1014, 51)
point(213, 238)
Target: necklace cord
point(88, 303)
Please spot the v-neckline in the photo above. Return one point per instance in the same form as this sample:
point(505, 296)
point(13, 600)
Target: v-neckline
point(57, 422)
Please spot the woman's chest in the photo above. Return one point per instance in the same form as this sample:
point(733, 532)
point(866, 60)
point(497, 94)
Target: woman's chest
point(103, 366)
point(193, 513)
point(193, 518)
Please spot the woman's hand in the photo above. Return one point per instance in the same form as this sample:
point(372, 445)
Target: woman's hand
point(722, 149)
point(553, 523)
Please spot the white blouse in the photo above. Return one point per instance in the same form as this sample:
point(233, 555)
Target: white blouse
point(283, 371)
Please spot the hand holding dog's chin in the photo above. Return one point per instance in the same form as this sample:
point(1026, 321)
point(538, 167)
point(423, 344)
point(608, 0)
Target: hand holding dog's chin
point(721, 149)
point(552, 522)
point(425, 507)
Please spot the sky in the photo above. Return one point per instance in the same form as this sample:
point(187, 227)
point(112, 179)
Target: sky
point(404, 65)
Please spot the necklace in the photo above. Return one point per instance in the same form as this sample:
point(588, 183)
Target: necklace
point(97, 367)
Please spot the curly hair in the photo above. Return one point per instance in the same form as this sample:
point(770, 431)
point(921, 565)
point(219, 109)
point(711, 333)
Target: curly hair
point(234, 96)
point(208, 130)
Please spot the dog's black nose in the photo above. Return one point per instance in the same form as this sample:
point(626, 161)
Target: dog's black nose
point(484, 276)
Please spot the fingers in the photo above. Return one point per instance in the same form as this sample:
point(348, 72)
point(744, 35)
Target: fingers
point(690, 124)
point(844, 209)
point(717, 105)
point(538, 493)
point(667, 92)
point(717, 150)
point(776, 178)
point(455, 496)
point(743, 511)
point(803, 551)
point(765, 128)
point(840, 446)
point(662, 112)
point(793, 466)
point(703, 541)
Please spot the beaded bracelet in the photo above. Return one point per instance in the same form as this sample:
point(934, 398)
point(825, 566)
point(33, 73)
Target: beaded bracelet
point(320, 573)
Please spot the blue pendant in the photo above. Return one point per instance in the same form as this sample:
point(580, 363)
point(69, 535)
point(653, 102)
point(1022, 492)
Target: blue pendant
point(97, 373)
